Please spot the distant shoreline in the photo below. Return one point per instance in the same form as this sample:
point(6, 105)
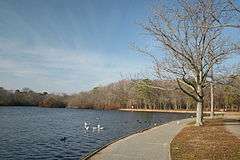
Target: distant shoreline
point(142, 110)
point(170, 111)
point(157, 110)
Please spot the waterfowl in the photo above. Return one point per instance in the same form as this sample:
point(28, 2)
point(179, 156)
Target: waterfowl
point(99, 127)
point(63, 139)
point(86, 126)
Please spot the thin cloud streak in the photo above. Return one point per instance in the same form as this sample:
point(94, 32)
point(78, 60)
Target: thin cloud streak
point(61, 67)
point(68, 45)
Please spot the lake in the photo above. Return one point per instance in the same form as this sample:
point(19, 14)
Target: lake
point(38, 133)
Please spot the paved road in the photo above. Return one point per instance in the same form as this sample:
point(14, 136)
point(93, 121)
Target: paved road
point(153, 144)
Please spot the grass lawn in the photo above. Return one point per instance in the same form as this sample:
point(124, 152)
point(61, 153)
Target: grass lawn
point(209, 142)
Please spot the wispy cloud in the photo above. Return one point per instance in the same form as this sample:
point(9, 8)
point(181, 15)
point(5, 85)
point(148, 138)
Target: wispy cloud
point(67, 46)
point(59, 67)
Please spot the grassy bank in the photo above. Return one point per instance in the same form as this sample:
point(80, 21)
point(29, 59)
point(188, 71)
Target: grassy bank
point(211, 141)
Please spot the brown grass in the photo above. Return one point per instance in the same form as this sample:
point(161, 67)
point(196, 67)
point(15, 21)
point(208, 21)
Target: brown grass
point(208, 142)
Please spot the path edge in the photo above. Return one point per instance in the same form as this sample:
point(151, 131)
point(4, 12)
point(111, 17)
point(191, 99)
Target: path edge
point(89, 155)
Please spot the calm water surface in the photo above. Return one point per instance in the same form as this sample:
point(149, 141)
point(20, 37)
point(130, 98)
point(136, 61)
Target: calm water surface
point(36, 133)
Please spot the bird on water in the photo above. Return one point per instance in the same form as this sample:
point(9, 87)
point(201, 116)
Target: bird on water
point(86, 126)
point(63, 139)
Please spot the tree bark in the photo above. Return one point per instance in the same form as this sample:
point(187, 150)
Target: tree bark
point(199, 114)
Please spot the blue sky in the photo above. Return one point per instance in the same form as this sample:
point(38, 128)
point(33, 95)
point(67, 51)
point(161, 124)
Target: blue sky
point(69, 45)
point(72, 45)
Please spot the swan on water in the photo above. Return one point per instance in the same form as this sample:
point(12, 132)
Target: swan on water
point(98, 127)
point(86, 126)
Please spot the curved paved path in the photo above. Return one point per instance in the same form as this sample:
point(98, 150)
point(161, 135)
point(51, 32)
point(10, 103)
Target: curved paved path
point(153, 144)
point(234, 126)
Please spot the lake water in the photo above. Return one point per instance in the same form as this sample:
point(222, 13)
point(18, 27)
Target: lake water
point(36, 133)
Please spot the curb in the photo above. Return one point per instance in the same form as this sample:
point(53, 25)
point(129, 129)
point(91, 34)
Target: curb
point(185, 123)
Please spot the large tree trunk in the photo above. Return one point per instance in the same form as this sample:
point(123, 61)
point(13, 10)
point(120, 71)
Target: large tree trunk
point(199, 113)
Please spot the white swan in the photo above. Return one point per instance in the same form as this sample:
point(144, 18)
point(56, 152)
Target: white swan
point(86, 126)
point(99, 127)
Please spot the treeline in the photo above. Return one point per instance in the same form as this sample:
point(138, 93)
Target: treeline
point(130, 94)
point(27, 97)
point(138, 94)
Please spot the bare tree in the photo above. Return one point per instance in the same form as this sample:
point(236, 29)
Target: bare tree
point(192, 44)
point(234, 6)
point(231, 19)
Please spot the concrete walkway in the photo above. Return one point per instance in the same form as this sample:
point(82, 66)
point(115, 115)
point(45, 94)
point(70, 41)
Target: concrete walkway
point(153, 144)
point(234, 126)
